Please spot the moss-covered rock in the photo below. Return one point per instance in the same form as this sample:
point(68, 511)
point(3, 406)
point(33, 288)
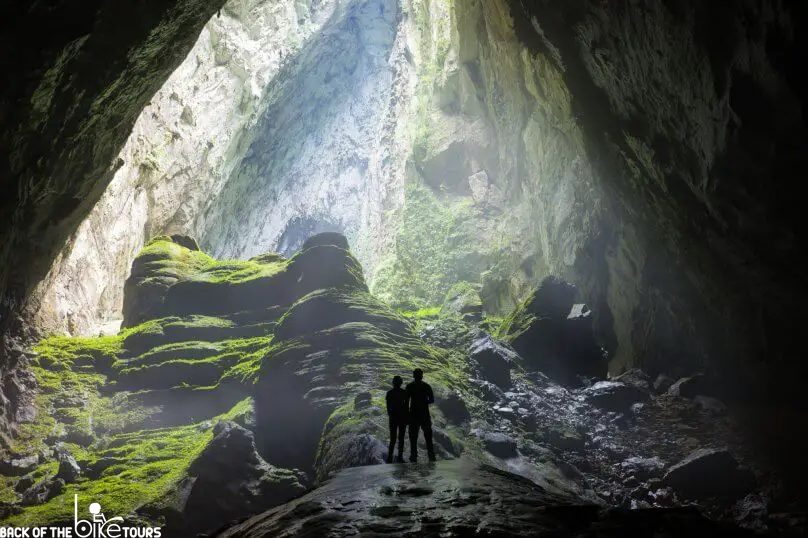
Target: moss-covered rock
point(137, 408)
point(302, 337)
point(464, 300)
point(306, 388)
point(170, 279)
point(436, 245)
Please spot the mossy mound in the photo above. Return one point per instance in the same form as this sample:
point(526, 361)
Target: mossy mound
point(302, 337)
point(309, 386)
point(136, 408)
point(170, 279)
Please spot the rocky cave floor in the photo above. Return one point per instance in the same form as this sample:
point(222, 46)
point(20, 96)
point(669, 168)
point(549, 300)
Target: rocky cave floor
point(265, 379)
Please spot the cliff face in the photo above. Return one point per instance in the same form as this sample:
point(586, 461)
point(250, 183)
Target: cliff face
point(693, 118)
point(76, 79)
point(185, 143)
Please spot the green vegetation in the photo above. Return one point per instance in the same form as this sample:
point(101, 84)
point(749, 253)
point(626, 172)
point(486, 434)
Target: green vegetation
point(518, 321)
point(436, 245)
point(429, 312)
point(161, 257)
point(142, 467)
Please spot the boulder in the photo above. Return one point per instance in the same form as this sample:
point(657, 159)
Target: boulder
point(643, 468)
point(43, 491)
point(498, 444)
point(613, 396)
point(662, 383)
point(636, 378)
point(363, 400)
point(353, 451)
point(454, 408)
point(554, 334)
point(69, 469)
point(19, 466)
point(23, 483)
point(690, 387)
point(709, 472)
point(495, 361)
point(229, 480)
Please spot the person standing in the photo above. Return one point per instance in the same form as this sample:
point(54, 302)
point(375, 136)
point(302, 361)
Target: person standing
point(420, 397)
point(397, 414)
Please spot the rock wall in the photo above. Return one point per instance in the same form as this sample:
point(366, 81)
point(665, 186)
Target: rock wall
point(76, 77)
point(182, 149)
point(326, 155)
point(693, 119)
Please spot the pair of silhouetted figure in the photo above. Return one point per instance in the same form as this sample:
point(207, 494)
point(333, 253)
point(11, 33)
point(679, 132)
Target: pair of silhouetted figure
point(410, 406)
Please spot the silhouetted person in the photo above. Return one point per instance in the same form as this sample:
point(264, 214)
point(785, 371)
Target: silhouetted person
point(420, 397)
point(397, 413)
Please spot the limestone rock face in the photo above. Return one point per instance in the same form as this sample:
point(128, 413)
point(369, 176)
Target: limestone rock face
point(184, 144)
point(691, 250)
point(323, 154)
point(77, 78)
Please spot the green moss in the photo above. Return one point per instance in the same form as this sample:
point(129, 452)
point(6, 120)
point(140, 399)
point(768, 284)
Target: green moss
point(250, 352)
point(429, 312)
point(162, 257)
point(436, 245)
point(200, 322)
point(149, 463)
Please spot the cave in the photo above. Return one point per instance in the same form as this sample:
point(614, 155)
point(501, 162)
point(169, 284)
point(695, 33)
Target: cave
point(227, 224)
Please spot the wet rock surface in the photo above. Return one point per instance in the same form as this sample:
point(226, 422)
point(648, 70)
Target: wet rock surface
point(457, 498)
point(76, 80)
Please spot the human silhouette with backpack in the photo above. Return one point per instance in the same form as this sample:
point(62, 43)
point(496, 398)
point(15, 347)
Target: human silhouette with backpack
point(420, 397)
